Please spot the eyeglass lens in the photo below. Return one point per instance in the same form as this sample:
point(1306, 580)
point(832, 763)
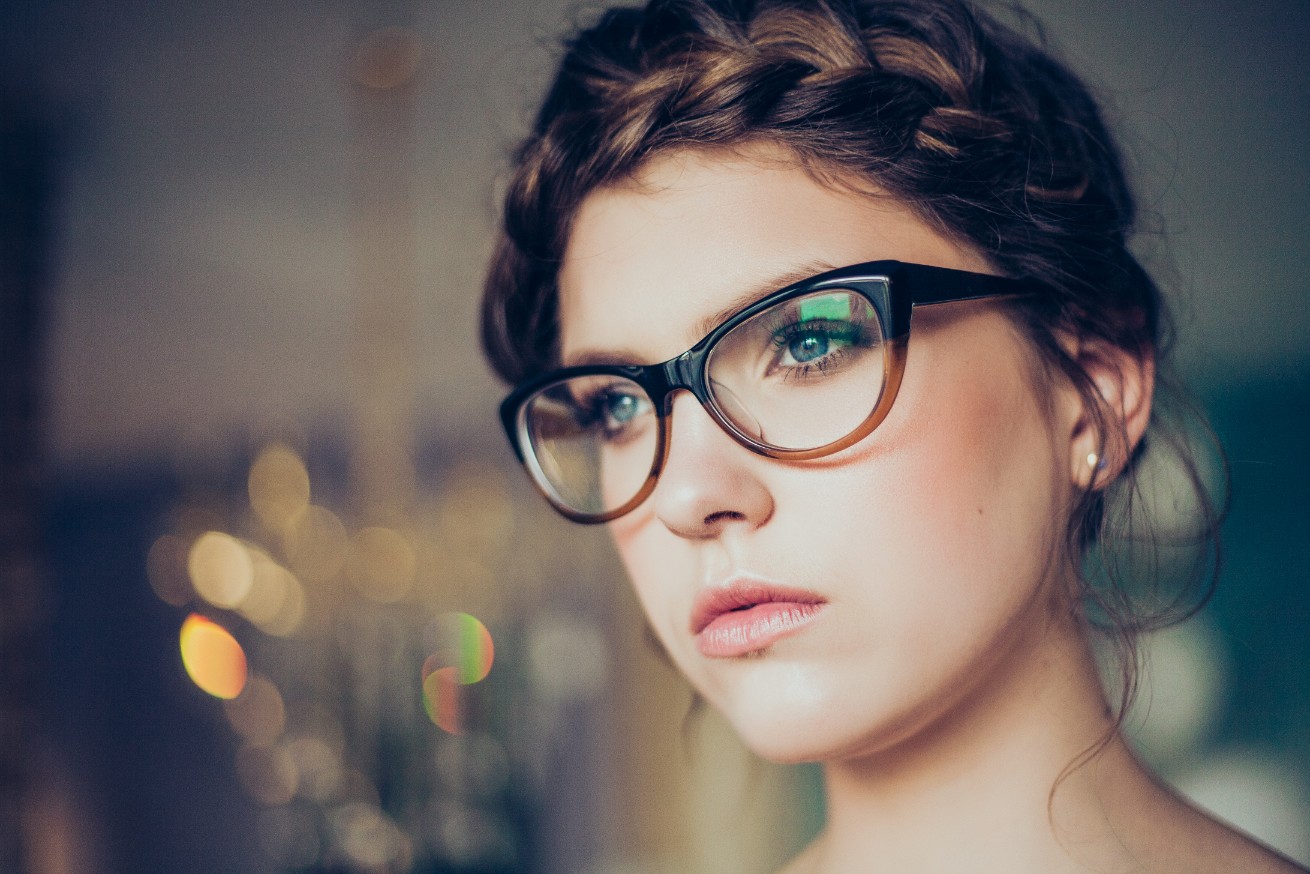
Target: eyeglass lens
point(802, 374)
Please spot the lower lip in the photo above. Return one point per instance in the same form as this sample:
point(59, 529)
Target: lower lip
point(743, 632)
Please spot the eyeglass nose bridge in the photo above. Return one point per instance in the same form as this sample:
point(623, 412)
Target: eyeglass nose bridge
point(687, 372)
point(661, 382)
point(683, 372)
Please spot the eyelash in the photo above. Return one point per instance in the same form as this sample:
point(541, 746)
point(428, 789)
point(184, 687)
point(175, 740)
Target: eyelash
point(784, 332)
point(594, 403)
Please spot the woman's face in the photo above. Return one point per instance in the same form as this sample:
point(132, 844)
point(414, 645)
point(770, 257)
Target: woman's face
point(856, 600)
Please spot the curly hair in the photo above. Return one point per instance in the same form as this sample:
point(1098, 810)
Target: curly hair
point(990, 139)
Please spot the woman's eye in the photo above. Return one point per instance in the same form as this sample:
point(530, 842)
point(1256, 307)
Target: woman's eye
point(619, 409)
point(807, 344)
point(807, 347)
point(612, 414)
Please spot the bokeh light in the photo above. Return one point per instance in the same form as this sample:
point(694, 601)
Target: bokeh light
point(310, 718)
point(220, 568)
point(568, 657)
point(460, 641)
point(212, 657)
point(316, 544)
point(442, 699)
point(166, 568)
point(276, 600)
point(258, 714)
point(382, 564)
point(278, 486)
point(319, 767)
point(461, 654)
point(368, 837)
point(472, 838)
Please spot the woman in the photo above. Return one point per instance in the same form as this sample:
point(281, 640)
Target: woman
point(864, 544)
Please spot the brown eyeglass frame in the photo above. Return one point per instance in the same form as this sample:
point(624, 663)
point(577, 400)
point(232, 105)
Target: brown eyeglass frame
point(894, 288)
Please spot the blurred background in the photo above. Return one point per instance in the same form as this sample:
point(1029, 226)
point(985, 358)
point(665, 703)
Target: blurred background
point(273, 597)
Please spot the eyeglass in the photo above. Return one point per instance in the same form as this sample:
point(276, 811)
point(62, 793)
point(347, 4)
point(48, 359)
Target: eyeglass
point(802, 373)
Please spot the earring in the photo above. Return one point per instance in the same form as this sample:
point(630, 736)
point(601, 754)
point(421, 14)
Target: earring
point(1095, 464)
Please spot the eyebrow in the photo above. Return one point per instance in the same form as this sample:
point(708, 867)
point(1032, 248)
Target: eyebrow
point(704, 326)
point(760, 290)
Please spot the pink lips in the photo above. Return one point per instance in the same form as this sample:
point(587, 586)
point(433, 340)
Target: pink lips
point(747, 616)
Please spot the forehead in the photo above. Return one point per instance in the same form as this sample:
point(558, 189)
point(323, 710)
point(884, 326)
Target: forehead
point(650, 260)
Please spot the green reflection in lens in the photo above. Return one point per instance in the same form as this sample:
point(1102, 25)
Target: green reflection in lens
point(834, 306)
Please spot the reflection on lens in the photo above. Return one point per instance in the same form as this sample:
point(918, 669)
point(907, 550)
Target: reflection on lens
point(594, 440)
point(802, 374)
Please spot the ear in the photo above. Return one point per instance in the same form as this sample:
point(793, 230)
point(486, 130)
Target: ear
point(1124, 383)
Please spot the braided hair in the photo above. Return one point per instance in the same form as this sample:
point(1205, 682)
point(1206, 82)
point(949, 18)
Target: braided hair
point(991, 140)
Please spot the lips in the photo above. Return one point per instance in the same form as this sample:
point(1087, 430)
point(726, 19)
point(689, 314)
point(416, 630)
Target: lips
point(746, 616)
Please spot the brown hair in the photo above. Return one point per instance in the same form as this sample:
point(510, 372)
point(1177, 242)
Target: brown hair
point(981, 131)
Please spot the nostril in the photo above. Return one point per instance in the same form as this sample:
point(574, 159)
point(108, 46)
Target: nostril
point(709, 483)
point(724, 516)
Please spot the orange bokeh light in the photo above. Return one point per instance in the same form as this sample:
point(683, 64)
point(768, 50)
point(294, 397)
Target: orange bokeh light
point(212, 657)
point(442, 699)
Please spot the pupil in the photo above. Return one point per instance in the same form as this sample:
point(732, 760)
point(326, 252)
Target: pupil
point(808, 348)
point(622, 407)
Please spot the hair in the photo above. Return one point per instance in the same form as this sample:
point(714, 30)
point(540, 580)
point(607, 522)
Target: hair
point(981, 131)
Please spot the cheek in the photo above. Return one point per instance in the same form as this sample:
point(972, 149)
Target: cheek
point(966, 498)
point(934, 540)
point(980, 474)
point(661, 570)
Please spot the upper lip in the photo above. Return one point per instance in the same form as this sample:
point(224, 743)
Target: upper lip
point(739, 593)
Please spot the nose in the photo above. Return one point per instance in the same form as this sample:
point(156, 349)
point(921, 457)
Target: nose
point(709, 483)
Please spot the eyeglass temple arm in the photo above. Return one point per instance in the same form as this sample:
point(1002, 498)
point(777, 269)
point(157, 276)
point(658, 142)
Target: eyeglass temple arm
point(930, 285)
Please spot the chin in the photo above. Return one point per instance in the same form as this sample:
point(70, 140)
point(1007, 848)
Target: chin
point(788, 740)
point(787, 714)
point(785, 717)
point(793, 741)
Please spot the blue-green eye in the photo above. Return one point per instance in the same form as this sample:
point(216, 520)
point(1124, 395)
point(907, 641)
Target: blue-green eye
point(618, 413)
point(605, 408)
point(802, 345)
point(619, 409)
point(809, 346)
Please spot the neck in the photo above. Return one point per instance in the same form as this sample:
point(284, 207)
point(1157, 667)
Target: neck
point(1001, 783)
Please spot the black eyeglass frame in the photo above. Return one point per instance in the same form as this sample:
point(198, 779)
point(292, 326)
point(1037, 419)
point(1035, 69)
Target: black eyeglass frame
point(894, 288)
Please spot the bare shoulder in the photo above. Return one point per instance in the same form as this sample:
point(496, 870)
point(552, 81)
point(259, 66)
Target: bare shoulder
point(1238, 854)
point(1200, 843)
point(1163, 832)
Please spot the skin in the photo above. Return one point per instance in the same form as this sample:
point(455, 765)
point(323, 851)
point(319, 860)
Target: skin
point(947, 683)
